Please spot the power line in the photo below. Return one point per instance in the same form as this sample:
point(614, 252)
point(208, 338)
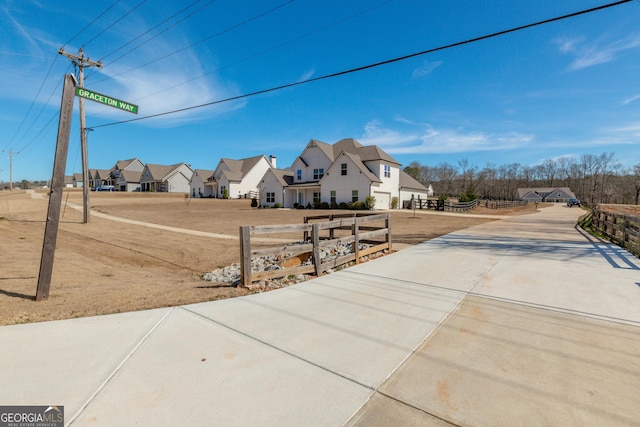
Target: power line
point(377, 64)
point(153, 37)
point(114, 23)
point(44, 105)
point(92, 22)
point(262, 52)
point(24, 118)
point(47, 76)
point(233, 27)
point(153, 28)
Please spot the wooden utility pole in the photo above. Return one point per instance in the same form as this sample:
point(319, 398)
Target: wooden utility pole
point(81, 62)
point(57, 183)
point(11, 154)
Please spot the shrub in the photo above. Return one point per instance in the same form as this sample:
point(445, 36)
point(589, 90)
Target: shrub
point(254, 203)
point(277, 205)
point(394, 203)
point(357, 206)
point(309, 205)
point(343, 205)
point(225, 194)
point(370, 202)
point(322, 205)
point(468, 196)
point(295, 206)
point(334, 205)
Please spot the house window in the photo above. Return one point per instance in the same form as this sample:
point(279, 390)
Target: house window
point(316, 198)
point(333, 197)
point(387, 171)
point(271, 197)
point(354, 195)
point(343, 169)
point(318, 174)
point(299, 174)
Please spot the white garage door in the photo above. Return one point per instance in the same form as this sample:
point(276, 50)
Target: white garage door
point(383, 200)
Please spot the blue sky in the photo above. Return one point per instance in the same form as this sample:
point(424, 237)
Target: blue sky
point(562, 89)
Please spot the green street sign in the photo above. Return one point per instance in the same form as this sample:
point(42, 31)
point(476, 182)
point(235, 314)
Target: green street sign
point(106, 100)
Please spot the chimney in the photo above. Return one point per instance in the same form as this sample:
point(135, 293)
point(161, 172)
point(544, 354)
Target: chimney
point(272, 160)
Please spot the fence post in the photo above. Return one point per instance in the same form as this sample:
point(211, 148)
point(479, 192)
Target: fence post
point(245, 255)
point(356, 243)
point(331, 233)
point(305, 236)
point(387, 225)
point(315, 230)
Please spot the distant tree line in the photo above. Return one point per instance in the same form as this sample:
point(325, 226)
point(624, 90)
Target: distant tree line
point(593, 178)
point(24, 184)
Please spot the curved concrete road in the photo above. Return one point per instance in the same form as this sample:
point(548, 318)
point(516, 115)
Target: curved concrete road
point(523, 321)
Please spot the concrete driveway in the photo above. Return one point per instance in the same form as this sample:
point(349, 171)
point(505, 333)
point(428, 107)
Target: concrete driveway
point(522, 321)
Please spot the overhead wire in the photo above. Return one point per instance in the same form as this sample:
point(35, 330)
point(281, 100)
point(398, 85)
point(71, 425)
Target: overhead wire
point(92, 22)
point(44, 105)
point(24, 118)
point(231, 28)
point(374, 65)
point(114, 23)
point(278, 46)
point(151, 38)
point(153, 28)
point(44, 80)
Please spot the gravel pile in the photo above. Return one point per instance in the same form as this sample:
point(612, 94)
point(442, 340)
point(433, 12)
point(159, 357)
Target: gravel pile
point(230, 275)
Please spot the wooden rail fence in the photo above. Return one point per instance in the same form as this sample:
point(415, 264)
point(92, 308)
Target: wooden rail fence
point(359, 229)
point(623, 230)
point(502, 204)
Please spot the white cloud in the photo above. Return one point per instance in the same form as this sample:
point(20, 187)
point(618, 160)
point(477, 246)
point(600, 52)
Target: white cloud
point(307, 75)
point(426, 139)
point(589, 54)
point(630, 100)
point(426, 68)
point(567, 45)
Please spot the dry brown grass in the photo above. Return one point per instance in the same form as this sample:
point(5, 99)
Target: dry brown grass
point(108, 267)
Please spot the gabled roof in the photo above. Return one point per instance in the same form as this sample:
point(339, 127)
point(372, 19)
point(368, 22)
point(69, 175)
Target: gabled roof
point(130, 176)
point(77, 176)
point(359, 164)
point(373, 152)
point(366, 153)
point(121, 164)
point(284, 177)
point(232, 175)
point(204, 174)
point(162, 172)
point(101, 173)
point(542, 191)
point(237, 169)
point(348, 145)
point(407, 182)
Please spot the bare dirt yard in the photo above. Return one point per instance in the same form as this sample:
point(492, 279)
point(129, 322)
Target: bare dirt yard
point(108, 266)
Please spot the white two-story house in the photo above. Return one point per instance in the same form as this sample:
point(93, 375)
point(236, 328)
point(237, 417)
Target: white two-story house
point(346, 171)
point(240, 178)
point(166, 179)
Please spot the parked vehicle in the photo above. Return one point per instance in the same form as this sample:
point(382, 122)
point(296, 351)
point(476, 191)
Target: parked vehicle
point(104, 188)
point(573, 202)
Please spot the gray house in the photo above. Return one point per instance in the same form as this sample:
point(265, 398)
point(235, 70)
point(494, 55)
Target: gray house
point(545, 194)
